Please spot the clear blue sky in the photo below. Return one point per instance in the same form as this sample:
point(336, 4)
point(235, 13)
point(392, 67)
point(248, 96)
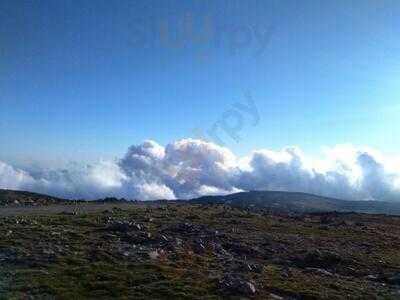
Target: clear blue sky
point(80, 80)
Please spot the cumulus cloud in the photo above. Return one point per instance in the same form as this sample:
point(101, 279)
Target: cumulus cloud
point(190, 168)
point(12, 178)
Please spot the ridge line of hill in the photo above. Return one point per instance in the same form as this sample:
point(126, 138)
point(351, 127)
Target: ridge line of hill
point(274, 201)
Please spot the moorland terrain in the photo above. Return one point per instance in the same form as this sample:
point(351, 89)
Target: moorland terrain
point(207, 248)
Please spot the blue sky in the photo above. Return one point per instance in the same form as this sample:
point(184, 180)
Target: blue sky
point(81, 80)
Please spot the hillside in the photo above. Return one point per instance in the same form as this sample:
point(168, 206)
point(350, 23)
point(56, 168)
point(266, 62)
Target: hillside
point(298, 203)
point(21, 198)
point(175, 251)
point(240, 246)
point(273, 201)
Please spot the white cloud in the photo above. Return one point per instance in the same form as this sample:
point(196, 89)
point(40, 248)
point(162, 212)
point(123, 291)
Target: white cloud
point(190, 168)
point(107, 175)
point(12, 178)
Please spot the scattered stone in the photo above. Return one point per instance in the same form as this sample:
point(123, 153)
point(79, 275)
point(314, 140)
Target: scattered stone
point(233, 285)
point(157, 254)
point(319, 271)
point(153, 255)
point(122, 226)
point(178, 242)
point(199, 247)
point(48, 252)
point(256, 268)
point(372, 277)
point(209, 249)
point(275, 297)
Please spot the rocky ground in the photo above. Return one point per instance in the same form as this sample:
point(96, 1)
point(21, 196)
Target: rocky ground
point(182, 251)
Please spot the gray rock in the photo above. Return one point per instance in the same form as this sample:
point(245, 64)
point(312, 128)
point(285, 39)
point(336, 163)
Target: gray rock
point(236, 286)
point(372, 277)
point(319, 271)
point(276, 297)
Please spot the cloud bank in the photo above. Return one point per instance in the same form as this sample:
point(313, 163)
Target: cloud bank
point(190, 168)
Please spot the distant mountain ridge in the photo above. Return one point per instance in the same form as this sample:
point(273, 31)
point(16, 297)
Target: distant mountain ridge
point(299, 203)
point(18, 198)
point(274, 201)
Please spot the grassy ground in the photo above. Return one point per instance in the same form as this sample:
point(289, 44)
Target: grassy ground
point(197, 252)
